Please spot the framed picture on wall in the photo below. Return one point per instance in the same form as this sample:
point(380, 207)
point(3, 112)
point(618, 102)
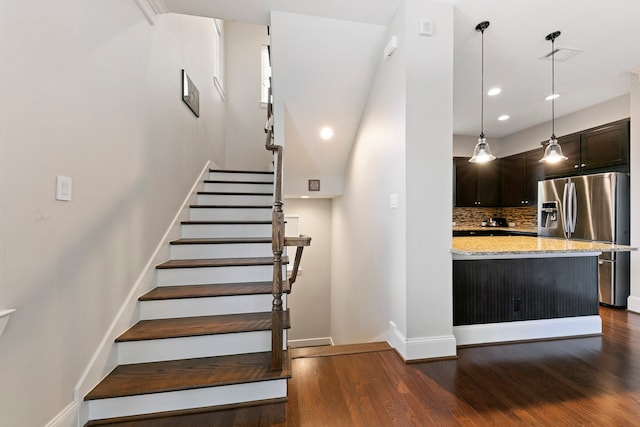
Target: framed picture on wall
point(190, 94)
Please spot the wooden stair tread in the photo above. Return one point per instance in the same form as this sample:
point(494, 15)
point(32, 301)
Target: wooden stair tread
point(231, 206)
point(338, 350)
point(204, 291)
point(234, 193)
point(186, 374)
point(200, 325)
point(214, 241)
point(240, 171)
point(218, 262)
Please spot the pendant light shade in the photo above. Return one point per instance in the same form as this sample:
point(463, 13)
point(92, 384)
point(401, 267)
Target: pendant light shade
point(481, 152)
point(553, 151)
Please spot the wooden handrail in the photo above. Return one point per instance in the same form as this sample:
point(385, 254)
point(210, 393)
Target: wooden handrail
point(278, 244)
point(299, 242)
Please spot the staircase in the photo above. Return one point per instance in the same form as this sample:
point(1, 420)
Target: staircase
point(204, 335)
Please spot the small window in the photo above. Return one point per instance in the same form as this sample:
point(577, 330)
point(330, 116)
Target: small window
point(265, 75)
point(218, 55)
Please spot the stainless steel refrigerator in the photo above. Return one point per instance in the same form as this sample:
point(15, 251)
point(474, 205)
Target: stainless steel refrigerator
point(591, 207)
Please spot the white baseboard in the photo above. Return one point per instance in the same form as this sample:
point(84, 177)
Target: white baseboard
point(105, 358)
point(68, 417)
point(633, 304)
point(527, 330)
point(421, 348)
point(310, 342)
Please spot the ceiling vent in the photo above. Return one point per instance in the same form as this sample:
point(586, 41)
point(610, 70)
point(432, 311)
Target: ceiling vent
point(562, 54)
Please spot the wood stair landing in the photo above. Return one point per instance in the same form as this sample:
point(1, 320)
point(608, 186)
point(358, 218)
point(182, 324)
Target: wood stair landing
point(338, 350)
point(174, 375)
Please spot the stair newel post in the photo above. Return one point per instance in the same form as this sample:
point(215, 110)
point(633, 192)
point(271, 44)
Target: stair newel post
point(278, 249)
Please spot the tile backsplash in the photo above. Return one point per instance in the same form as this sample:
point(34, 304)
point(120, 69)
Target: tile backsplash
point(471, 217)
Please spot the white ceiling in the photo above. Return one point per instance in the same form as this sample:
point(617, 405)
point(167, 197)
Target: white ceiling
point(334, 90)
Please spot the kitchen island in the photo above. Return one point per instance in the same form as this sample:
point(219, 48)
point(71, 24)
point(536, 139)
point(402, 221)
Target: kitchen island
point(509, 288)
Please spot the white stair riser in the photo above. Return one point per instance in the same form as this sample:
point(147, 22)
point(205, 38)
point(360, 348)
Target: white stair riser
point(186, 399)
point(222, 250)
point(225, 230)
point(214, 275)
point(230, 214)
point(238, 187)
point(227, 176)
point(189, 307)
point(235, 200)
point(193, 347)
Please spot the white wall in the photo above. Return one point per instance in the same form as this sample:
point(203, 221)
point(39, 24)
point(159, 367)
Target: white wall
point(310, 299)
point(245, 135)
point(92, 91)
point(634, 159)
point(428, 179)
point(391, 273)
point(368, 243)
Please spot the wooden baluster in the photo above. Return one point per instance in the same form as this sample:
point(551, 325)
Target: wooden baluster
point(277, 244)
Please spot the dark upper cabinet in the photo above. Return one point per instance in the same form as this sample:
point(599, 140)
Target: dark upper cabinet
point(605, 146)
point(602, 148)
point(477, 184)
point(520, 174)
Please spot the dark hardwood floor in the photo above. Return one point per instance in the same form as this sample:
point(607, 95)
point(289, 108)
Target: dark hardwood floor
point(591, 381)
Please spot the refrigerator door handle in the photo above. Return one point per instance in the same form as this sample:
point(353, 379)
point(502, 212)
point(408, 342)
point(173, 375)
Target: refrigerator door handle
point(574, 207)
point(565, 216)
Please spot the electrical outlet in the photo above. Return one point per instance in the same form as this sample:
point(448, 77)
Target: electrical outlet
point(516, 304)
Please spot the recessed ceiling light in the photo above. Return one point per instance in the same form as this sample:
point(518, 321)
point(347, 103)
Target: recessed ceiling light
point(552, 96)
point(326, 133)
point(304, 197)
point(494, 91)
point(503, 117)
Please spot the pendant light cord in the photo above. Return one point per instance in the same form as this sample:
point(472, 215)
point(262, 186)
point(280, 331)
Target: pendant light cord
point(481, 27)
point(482, 89)
point(553, 89)
point(553, 36)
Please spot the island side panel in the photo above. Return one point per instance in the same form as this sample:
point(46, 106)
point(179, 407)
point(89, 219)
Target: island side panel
point(507, 290)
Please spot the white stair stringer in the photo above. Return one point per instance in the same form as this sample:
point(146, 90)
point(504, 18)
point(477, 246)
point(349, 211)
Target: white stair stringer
point(240, 177)
point(186, 399)
point(228, 213)
point(220, 250)
point(194, 347)
point(190, 307)
point(206, 230)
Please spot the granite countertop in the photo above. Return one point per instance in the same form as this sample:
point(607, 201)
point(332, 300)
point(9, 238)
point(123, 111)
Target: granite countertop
point(523, 245)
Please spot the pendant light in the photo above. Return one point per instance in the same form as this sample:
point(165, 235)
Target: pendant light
point(481, 152)
point(553, 152)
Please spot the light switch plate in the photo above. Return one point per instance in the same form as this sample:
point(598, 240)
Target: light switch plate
point(63, 188)
point(393, 200)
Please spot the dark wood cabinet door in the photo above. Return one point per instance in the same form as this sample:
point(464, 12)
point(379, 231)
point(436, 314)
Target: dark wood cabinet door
point(466, 183)
point(571, 148)
point(606, 146)
point(534, 173)
point(488, 186)
point(513, 180)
